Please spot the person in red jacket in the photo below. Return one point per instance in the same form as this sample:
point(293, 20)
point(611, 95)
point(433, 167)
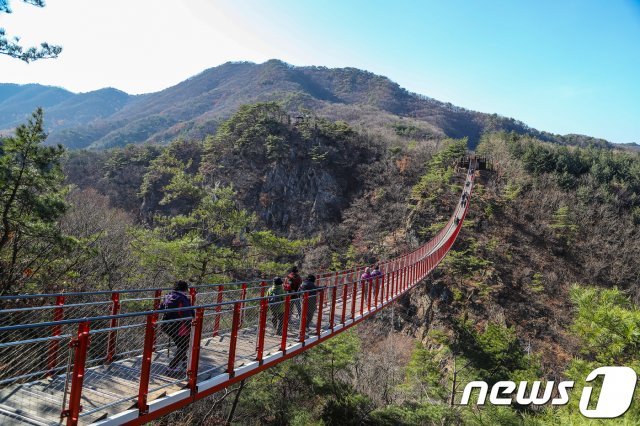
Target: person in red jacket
point(292, 285)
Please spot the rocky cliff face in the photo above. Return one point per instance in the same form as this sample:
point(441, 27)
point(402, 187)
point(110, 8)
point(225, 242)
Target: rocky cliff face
point(303, 188)
point(297, 177)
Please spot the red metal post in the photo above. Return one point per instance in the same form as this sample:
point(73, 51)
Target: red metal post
point(344, 303)
point(262, 327)
point(369, 290)
point(156, 299)
point(394, 278)
point(325, 290)
point(332, 312)
point(81, 344)
point(218, 309)
point(387, 287)
point(395, 283)
point(54, 345)
point(363, 286)
point(194, 358)
point(113, 333)
point(243, 296)
point(303, 316)
point(405, 278)
point(145, 366)
point(320, 308)
point(377, 289)
point(285, 322)
point(233, 342)
point(409, 277)
point(156, 305)
point(192, 293)
point(354, 297)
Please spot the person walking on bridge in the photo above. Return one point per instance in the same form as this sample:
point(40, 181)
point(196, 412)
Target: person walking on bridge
point(292, 284)
point(367, 278)
point(376, 277)
point(275, 296)
point(177, 324)
point(366, 275)
point(309, 285)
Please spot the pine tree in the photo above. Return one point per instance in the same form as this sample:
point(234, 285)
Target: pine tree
point(31, 202)
point(12, 47)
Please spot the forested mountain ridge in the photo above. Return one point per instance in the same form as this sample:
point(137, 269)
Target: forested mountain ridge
point(64, 109)
point(195, 107)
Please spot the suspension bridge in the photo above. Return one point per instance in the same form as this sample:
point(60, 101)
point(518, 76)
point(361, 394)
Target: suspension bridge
point(100, 358)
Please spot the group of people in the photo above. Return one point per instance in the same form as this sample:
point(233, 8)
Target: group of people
point(465, 197)
point(294, 285)
point(176, 324)
point(370, 274)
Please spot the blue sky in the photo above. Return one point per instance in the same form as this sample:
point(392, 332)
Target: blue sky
point(561, 66)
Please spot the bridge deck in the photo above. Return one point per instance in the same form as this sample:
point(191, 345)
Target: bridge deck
point(105, 386)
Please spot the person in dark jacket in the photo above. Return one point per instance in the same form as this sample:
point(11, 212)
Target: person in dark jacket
point(367, 278)
point(177, 324)
point(376, 271)
point(366, 275)
point(309, 285)
point(292, 285)
point(376, 277)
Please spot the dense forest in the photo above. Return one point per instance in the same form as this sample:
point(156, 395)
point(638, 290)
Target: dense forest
point(541, 285)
